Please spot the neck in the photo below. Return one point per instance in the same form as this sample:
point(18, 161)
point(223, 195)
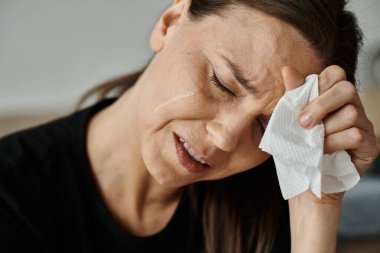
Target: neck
point(134, 198)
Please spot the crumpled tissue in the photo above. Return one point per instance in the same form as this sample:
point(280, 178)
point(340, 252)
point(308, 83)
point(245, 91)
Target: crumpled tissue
point(298, 152)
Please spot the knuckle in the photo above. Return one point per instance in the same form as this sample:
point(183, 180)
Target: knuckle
point(337, 72)
point(352, 114)
point(321, 101)
point(349, 89)
point(356, 136)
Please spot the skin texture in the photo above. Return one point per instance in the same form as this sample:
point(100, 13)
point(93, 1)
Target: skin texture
point(131, 145)
point(226, 129)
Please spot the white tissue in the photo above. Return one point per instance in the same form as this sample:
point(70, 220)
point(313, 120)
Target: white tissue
point(298, 152)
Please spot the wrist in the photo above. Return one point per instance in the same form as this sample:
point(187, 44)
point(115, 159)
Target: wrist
point(314, 224)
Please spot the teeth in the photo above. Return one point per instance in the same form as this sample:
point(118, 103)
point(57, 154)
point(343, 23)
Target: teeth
point(192, 153)
point(181, 140)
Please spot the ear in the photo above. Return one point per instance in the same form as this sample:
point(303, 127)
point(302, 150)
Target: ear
point(168, 19)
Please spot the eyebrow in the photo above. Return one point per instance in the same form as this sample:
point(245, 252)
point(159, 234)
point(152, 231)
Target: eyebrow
point(239, 76)
point(247, 85)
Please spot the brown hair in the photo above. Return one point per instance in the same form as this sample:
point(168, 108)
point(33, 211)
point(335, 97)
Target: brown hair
point(241, 213)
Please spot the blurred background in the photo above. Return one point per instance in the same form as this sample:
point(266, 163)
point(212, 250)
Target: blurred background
point(52, 51)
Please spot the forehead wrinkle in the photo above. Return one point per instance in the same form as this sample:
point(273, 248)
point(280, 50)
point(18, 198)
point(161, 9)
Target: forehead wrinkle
point(254, 46)
point(263, 78)
point(255, 71)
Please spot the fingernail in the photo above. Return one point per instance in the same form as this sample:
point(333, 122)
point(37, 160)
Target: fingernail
point(305, 120)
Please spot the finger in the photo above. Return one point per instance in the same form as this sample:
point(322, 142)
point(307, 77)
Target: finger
point(292, 78)
point(350, 138)
point(346, 117)
point(362, 146)
point(364, 156)
point(330, 76)
point(337, 96)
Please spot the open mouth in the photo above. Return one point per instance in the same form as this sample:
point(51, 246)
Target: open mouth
point(187, 156)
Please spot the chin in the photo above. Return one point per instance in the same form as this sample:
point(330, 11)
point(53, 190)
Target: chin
point(168, 177)
point(165, 171)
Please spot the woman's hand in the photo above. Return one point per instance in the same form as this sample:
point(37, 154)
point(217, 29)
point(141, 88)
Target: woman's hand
point(313, 221)
point(339, 107)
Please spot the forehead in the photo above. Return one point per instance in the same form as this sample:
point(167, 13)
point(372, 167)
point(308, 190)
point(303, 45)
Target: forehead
point(259, 44)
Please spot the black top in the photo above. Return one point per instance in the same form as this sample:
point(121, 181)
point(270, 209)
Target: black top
point(49, 201)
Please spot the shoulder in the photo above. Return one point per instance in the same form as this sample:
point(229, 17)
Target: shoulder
point(35, 145)
point(48, 143)
point(26, 159)
point(37, 156)
point(30, 159)
point(33, 158)
point(45, 142)
point(41, 171)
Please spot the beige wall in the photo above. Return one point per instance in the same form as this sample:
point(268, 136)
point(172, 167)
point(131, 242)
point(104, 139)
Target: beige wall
point(14, 123)
point(52, 51)
point(371, 103)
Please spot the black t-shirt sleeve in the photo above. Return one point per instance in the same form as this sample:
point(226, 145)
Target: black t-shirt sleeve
point(17, 175)
point(14, 234)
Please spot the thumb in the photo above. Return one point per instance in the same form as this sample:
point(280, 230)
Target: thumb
point(292, 78)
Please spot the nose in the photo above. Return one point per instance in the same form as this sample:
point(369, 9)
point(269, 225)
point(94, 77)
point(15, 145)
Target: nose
point(226, 133)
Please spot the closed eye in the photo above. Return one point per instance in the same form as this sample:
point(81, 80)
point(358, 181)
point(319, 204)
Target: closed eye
point(214, 80)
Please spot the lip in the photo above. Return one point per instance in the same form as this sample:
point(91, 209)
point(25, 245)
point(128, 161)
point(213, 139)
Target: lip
point(186, 160)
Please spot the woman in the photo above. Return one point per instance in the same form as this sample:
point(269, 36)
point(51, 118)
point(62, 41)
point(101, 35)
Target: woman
point(173, 164)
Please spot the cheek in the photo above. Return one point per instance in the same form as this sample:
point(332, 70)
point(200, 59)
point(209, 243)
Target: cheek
point(174, 95)
point(175, 102)
point(241, 164)
point(248, 154)
point(157, 122)
point(159, 112)
point(160, 159)
point(186, 102)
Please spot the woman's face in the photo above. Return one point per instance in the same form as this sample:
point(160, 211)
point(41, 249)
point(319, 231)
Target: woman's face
point(222, 121)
